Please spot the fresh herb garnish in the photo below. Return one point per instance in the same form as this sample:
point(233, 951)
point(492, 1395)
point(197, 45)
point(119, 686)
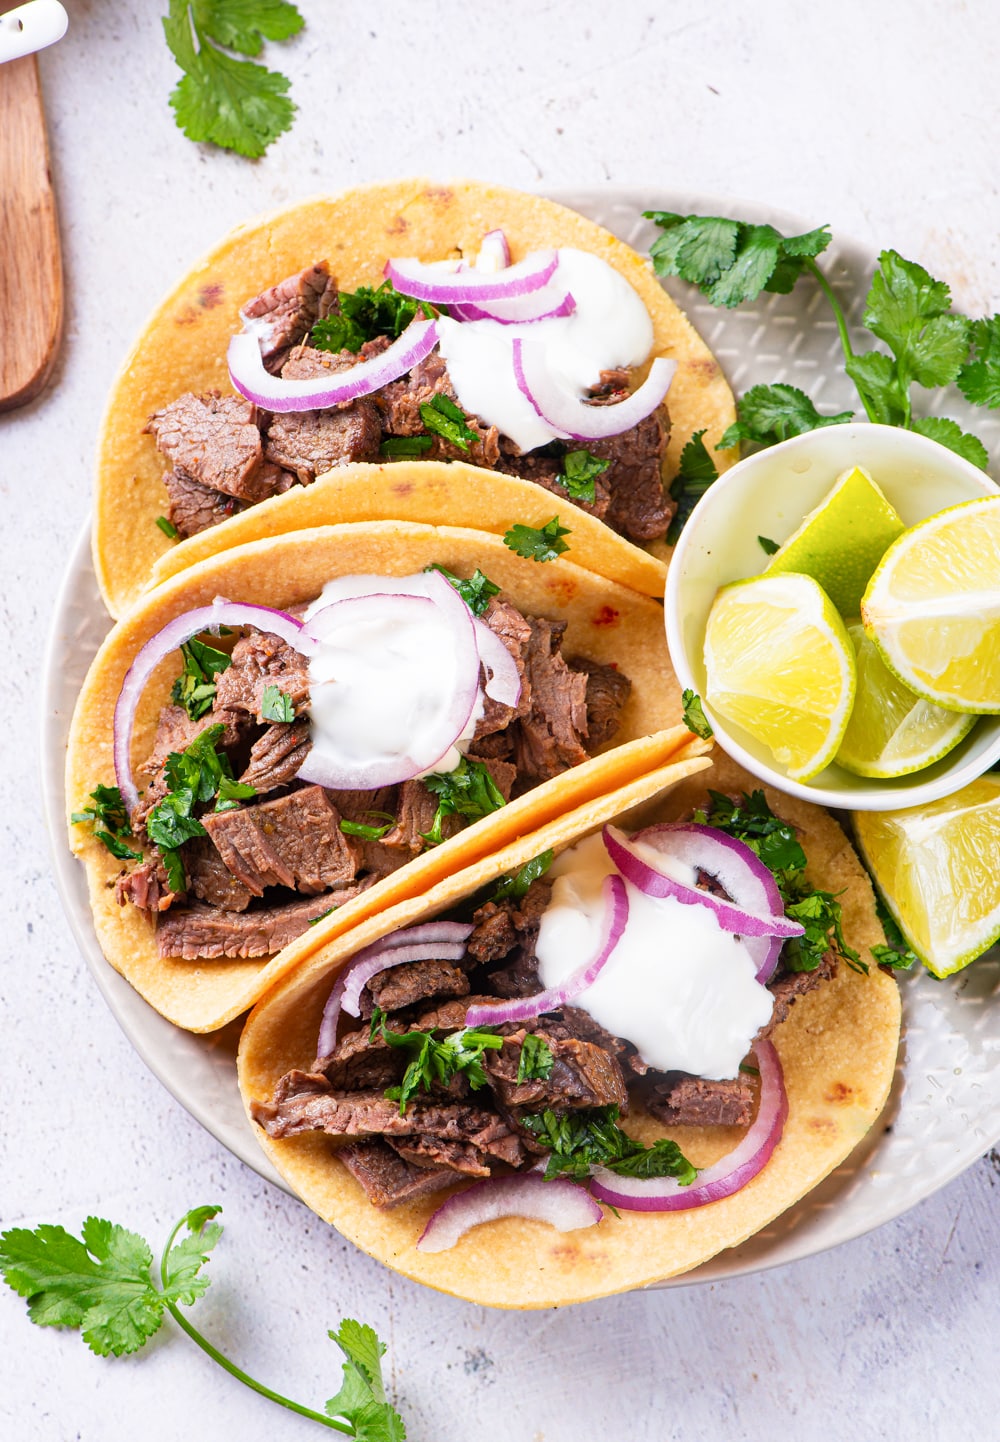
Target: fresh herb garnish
point(768, 546)
point(695, 474)
point(583, 1140)
point(364, 314)
point(194, 688)
point(896, 953)
point(228, 102)
point(315, 920)
point(446, 419)
point(534, 544)
point(536, 1060)
point(769, 414)
point(518, 885)
point(405, 445)
point(476, 592)
point(101, 1284)
point(110, 821)
point(168, 528)
point(731, 261)
point(436, 1061)
point(366, 832)
point(194, 776)
point(580, 471)
point(468, 791)
point(819, 913)
point(693, 715)
point(275, 705)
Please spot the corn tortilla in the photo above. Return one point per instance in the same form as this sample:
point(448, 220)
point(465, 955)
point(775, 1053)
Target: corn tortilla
point(183, 345)
point(837, 1048)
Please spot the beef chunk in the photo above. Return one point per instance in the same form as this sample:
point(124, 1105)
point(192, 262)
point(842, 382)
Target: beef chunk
point(362, 1062)
point(261, 659)
point(277, 755)
point(400, 402)
point(640, 508)
point(146, 886)
point(387, 1180)
point(579, 1023)
point(547, 471)
point(583, 1075)
point(788, 987)
point(305, 1102)
point(196, 932)
point(370, 808)
point(175, 731)
point(313, 442)
point(414, 981)
point(499, 926)
point(434, 1152)
point(417, 809)
point(506, 623)
point(210, 879)
point(193, 507)
point(549, 739)
point(607, 692)
point(215, 440)
point(286, 312)
point(295, 841)
point(689, 1101)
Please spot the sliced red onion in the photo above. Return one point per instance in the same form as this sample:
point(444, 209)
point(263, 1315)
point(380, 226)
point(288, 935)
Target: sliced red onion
point(736, 867)
point(724, 1177)
point(183, 628)
point(462, 286)
point(494, 253)
point(504, 683)
point(442, 933)
point(564, 1204)
point(524, 1008)
point(521, 311)
point(574, 418)
point(247, 373)
point(363, 971)
point(646, 878)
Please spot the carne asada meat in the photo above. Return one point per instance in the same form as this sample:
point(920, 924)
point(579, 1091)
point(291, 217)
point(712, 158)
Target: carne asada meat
point(286, 313)
point(215, 440)
point(313, 442)
point(261, 659)
point(193, 507)
point(639, 507)
point(690, 1101)
point(210, 880)
point(583, 1075)
point(388, 1181)
point(400, 403)
point(277, 756)
point(607, 692)
point(295, 841)
point(199, 931)
point(414, 981)
point(549, 738)
point(145, 886)
point(787, 987)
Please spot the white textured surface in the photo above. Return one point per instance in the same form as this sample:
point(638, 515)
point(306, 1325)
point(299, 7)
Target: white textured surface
point(880, 120)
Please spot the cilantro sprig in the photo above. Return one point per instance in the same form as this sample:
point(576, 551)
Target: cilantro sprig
point(195, 687)
point(476, 592)
point(517, 885)
point(536, 1060)
point(579, 475)
point(109, 819)
point(102, 1285)
point(468, 791)
point(535, 543)
point(232, 103)
point(366, 313)
point(195, 776)
point(583, 1140)
point(436, 1061)
point(447, 420)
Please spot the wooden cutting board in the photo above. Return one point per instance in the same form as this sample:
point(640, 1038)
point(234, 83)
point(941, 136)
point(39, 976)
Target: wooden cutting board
point(31, 286)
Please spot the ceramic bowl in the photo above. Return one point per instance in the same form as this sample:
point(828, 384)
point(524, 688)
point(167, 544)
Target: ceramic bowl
point(768, 494)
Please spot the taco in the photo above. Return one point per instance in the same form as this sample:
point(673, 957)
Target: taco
point(234, 811)
point(180, 452)
point(384, 1096)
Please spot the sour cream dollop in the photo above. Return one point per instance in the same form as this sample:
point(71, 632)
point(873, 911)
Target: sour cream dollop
point(679, 988)
point(610, 327)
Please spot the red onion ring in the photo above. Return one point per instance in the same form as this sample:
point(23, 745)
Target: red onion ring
point(494, 253)
point(575, 419)
point(655, 883)
point(442, 932)
point(247, 373)
point(169, 638)
point(726, 1176)
point(524, 1008)
point(564, 1204)
point(737, 867)
point(463, 286)
point(521, 311)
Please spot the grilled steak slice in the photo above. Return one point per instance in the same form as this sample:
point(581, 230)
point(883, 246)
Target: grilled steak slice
point(193, 507)
point(286, 313)
point(371, 808)
point(411, 982)
point(175, 731)
point(362, 1062)
point(295, 841)
point(583, 1075)
point(387, 1180)
point(310, 443)
point(400, 403)
point(194, 932)
point(305, 1102)
point(459, 1157)
point(146, 886)
point(277, 755)
point(261, 659)
point(689, 1101)
point(416, 811)
point(607, 692)
point(640, 508)
point(210, 879)
point(215, 440)
point(549, 739)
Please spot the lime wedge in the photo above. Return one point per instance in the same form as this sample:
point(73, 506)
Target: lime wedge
point(841, 542)
point(933, 607)
point(892, 730)
point(780, 664)
point(938, 868)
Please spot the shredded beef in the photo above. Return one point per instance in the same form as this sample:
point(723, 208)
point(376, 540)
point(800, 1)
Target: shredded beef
point(549, 738)
point(286, 313)
point(295, 841)
point(277, 755)
point(400, 403)
point(196, 932)
point(690, 1101)
point(607, 692)
point(387, 1180)
point(215, 440)
point(261, 659)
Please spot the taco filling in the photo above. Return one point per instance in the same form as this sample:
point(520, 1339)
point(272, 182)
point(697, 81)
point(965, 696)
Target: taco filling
point(319, 753)
point(639, 974)
point(526, 369)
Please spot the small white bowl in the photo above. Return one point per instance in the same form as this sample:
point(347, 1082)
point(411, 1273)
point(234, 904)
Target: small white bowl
point(768, 494)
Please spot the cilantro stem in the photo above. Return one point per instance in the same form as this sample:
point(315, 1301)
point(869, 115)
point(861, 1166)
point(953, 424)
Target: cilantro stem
point(231, 1367)
point(842, 331)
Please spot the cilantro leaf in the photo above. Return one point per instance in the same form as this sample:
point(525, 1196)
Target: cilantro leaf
point(949, 433)
point(184, 1259)
point(369, 833)
point(695, 474)
point(405, 445)
point(476, 592)
point(110, 821)
point(773, 413)
point(731, 261)
point(436, 1061)
point(275, 705)
point(579, 473)
point(517, 885)
point(908, 310)
point(364, 314)
point(361, 1401)
point(468, 791)
point(819, 912)
point(694, 717)
point(231, 793)
point(768, 546)
point(979, 378)
point(195, 775)
point(232, 103)
point(446, 419)
point(536, 1060)
point(896, 953)
point(535, 544)
point(194, 688)
point(583, 1140)
point(168, 528)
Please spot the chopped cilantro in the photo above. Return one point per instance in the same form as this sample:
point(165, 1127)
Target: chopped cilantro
point(275, 705)
point(580, 471)
point(436, 1061)
point(110, 822)
point(228, 102)
point(315, 920)
point(695, 474)
point(366, 832)
point(168, 528)
point(768, 546)
point(896, 954)
point(979, 377)
point(446, 419)
point(405, 446)
point(195, 775)
point(173, 865)
point(231, 793)
point(536, 1059)
point(534, 544)
point(468, 791)
point(583, 1140)
point(518, 885)
point(365, 314)
point(694, 717)
point(194, 688)
point(476, 592)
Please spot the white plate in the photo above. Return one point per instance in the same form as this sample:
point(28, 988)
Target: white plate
point(944, 1112)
